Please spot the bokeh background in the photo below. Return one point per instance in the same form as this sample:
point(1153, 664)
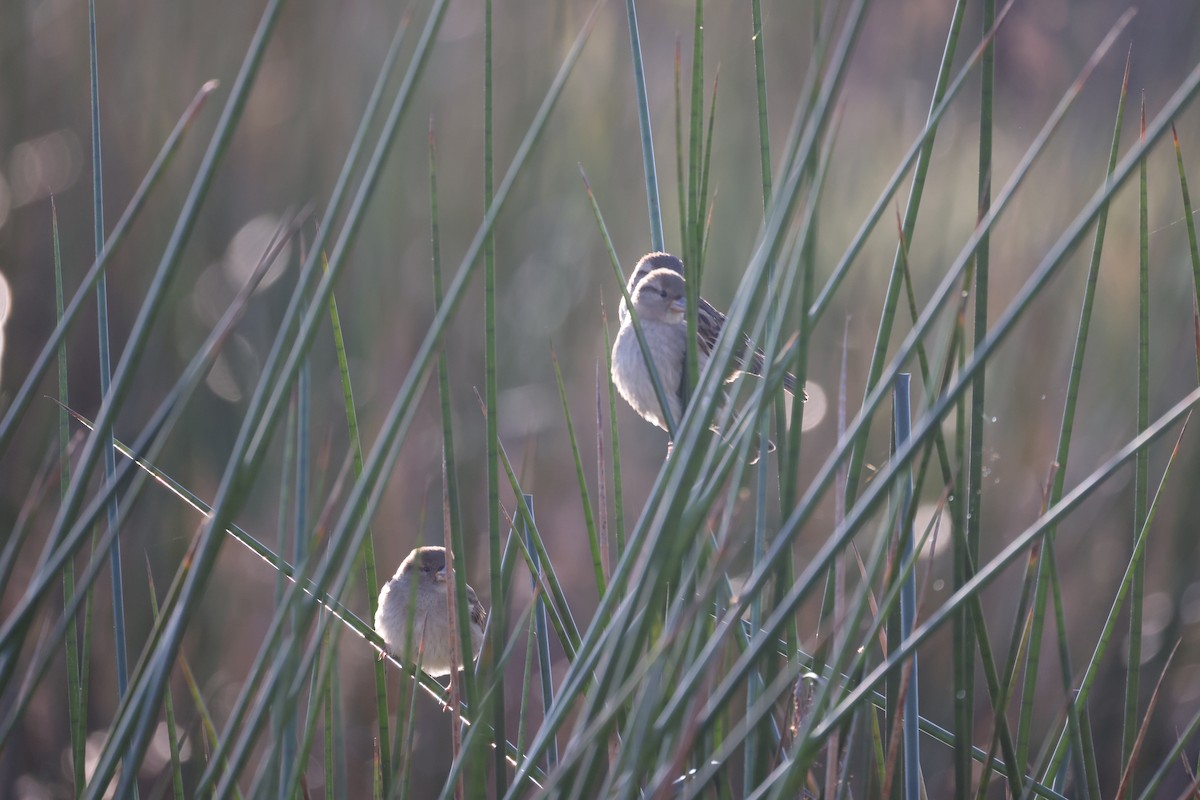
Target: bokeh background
point(553, 275)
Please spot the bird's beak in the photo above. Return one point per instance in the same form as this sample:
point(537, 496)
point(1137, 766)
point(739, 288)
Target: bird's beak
point(679, 304)
point(440, 575)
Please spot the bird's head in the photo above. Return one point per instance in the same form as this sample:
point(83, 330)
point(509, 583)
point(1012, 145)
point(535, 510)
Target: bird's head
point(650, 262)
point(661, 297)
point(426, 564)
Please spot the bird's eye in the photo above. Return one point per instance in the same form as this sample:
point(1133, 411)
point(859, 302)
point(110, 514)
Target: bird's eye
point(662, 292)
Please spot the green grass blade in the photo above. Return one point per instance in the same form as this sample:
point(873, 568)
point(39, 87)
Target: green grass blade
point(169, 710)
point(618, 491)
point(498, 622)
point(542, 632)
point(454, 528)
point(1080, 696)
point(1141, 469)
point(110, 459)
point(76, 710)
point(584, 496)
point(760, 94)
point(1190, 221)
point(964, 683)
point(368, 551)
point(643, 104)
point(1065, 434)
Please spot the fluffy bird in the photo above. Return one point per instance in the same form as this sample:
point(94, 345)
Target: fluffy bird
point(659, 298)
point(417, 592)
point(709, 320)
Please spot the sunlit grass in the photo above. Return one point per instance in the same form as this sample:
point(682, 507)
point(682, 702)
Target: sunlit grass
point(715, 663)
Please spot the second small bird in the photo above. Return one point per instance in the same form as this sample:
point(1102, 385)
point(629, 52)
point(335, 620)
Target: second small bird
point(416, 597)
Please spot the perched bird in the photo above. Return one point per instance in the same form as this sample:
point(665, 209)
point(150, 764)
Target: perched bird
point(660, 302)
point(418, 591)
point(709, 320)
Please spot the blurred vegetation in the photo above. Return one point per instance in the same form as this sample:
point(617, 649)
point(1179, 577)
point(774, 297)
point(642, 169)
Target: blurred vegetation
point(552, 275)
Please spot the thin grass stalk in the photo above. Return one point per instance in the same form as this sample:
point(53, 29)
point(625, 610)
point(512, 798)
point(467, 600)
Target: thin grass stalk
point(898, 572)
point(1127, 773)
point(602, 473)
point(168, 708)
point(542, 632)
point(1077, 724)
point(589, 520)
point(76, 709)
point(789, 771)
point(1187, 735)
point(964, 685)
point(1141, 468)
point(327, 754)
point(639, 80)
point(1123, 590)
point(169, 412)
point(206, 721)
point(1190, 222)
point(1065, 433)
point(321, 705)
point(753, 766)
point(908, 603)
point(299, 537)
point(457, 547)
point(457, 654)
point(704, 211)
point(892, 296)
point(526, 675)
point(368, 551)
point(110, 460)
point(963, 661)
point(692, 245)
point(838, 573)
point(498, 615)
point(760, 94)
point(618, 492)
point(409, 733)
point(285, 492)
point(784, 781)
point(685, 210)
point(479, 732)
point(564, 623)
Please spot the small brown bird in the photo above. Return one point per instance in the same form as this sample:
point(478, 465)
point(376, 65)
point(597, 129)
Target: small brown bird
point(709, 320)
point(660, 302)
point(418, 592)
